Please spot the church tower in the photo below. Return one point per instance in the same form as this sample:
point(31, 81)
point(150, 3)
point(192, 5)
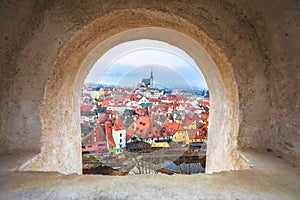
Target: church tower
point(151, 79)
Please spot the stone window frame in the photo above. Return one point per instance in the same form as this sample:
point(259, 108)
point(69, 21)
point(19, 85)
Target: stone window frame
point(90, 43)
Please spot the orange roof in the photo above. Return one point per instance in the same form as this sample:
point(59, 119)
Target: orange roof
point(204, 116)
point(108, 131)
point(171, 97)
point(154, 100)
point(85, 107)
point(102, 118)
point(145, 128)
point(195, 118)
point(120, 99)
point(186, 121)
point(181, 128)
point(119, 125)
point(105, 102)
point(171, 128)
point(204, 102)
point(194, 134)
point(201, 132)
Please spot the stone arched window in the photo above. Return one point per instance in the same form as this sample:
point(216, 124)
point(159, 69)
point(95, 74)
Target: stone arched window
point(60, 124)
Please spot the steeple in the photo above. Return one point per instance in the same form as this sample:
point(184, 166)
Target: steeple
point(151, 79)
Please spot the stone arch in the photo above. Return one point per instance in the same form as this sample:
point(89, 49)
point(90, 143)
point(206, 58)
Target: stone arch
point(60, 116)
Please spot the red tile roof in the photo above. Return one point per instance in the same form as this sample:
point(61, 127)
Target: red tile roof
point(85, 107)
point(108, 130)
point(194, 134)
point(186, 121)
point(170, 127)
point(102, 118)
point(154, 100)
point(120, 99)
point(204, 102)
point(145, 128)
point(181, 128)
point(105, 102)
point(119, 125)
point(204, 116)
point(195, 118)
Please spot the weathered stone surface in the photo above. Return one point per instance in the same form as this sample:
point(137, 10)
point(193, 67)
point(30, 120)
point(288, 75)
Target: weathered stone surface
point(247, 50)
point(271, 178)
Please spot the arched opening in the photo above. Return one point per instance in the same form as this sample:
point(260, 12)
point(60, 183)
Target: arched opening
point(156, 101)
point(75, 62)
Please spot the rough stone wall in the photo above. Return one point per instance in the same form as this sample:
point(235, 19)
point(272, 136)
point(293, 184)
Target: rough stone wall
point(251, 35)
point(277, 24)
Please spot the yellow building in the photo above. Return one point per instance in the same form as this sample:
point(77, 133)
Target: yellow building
point(180, 135)
point(192, 125)
point(101, 92)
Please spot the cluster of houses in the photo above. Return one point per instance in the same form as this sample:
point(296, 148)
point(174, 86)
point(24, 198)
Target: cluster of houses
point(141, 118)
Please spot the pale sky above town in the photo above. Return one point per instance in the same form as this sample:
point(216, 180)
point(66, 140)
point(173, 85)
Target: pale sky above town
point(128, 63)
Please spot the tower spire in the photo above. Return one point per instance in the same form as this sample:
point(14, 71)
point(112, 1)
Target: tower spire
point(151, 78)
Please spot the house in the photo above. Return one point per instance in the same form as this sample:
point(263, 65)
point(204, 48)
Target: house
point(160, 119)
point(180, 136)
point(101, 92)
point(139, 127)
point(188, 123)
point(143, 102)
point(109, 137)
point(176, 117)
point(143, 129)
point(142, 111)
point(96, 148)
point(120, 101)
point(102, 118)
point(135, 96)
point(170, 127)
point(106, 102)
point(203, 127)
point(204, 116)
point(119, 135)
point(194, 136)
point(154, 101)
point(134, 142)
point(131, 104)
point(152, 93)
point(85, 107)
point(89, 138)
point(160, 144)
point(204, 102)
point(190, 120)
point(192, 116)
point(100, 133)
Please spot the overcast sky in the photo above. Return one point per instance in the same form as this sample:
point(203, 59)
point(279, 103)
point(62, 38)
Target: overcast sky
point(130, 62)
